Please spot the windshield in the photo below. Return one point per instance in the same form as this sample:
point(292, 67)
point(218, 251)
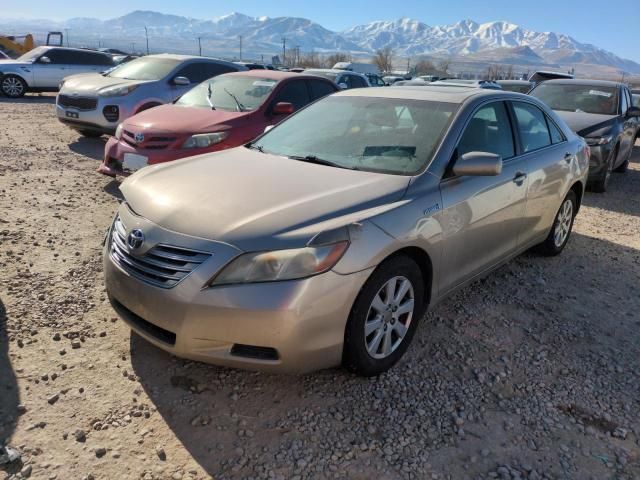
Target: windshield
point(578, 98)
point(32, 54)
point(234, 92)
point(145, 68)
point(387, 135)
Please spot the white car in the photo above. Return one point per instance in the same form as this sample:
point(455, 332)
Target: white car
point(43, 68)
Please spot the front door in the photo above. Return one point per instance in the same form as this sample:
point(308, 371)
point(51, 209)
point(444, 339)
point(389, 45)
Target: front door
point(482, 215)
point(50, 69)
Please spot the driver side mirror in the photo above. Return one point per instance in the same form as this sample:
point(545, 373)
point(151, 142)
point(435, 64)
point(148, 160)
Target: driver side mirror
point(283, 108)
point(181, 81)
point(633, 112)
point(343, 86)
point(478, 164)
point(44, 59)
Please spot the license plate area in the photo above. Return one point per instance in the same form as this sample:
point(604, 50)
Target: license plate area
point(133, 162)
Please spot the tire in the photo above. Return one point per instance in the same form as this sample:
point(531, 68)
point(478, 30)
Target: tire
point(90, 133)
point(602, 183)
point(562, 227)
point(13, 86)
point(375, 353)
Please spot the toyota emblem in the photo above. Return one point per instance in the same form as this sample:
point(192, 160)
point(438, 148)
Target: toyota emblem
point(135, 239)
point(139, 137)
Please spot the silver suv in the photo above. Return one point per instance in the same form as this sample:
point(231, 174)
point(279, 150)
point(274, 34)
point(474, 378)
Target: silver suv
point(95, 104)
point(43, 68)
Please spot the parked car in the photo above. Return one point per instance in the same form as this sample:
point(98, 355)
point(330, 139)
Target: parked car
point(603, 113)
point(223, 112)
point(343, 78)
point(114, 51)
point(43, 68)
point(324, 240)
point(375, 80)
point(416, 82)
point(95, 104)
point(251, 65)
point(457, 82)
point(635, 98)
point(391, 79)
point(544, 75)
point(519, 86)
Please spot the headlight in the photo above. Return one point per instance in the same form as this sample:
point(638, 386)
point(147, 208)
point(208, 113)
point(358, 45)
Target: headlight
point(204, 140)
point(119, 129)
point(117, 91)
point(594, 141)
point(285, 264)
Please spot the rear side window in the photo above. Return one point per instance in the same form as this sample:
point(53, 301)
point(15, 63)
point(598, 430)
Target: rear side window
point(211, 70)
point(90, 58)
point(357, 82)
point(489, 130)
point(294, 92)
point(532, 126)
point(320, 89)
point(556, 135)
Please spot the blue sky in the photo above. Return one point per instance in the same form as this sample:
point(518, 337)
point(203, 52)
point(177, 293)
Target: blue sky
point(613, 25)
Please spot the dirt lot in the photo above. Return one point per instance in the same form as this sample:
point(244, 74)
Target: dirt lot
point(531, 373)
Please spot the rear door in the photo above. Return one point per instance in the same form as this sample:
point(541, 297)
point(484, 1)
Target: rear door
point(50, 74)
point(482, 216)
point(548, 156)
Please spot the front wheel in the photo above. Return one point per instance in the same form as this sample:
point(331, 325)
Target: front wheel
point(562, 227)
point(384, 317)
point(13, 86)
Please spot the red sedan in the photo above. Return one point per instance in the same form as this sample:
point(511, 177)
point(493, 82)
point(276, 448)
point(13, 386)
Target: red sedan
point(223, 112)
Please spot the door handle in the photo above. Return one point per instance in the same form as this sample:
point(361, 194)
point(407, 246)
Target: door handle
point(519, 178)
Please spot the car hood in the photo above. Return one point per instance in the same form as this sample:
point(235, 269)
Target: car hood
point(177, 119)
point(256, 201)
point(92, 82)
point(14, 63)
point(585, 123)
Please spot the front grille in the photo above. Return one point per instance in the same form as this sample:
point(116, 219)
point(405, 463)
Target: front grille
point(81, 103)
point(253, 351)
point(162, 266)
point(150, 142)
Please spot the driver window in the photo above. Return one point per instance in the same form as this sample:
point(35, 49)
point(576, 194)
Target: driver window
point(489, 130)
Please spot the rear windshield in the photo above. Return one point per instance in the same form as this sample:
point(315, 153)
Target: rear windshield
point(233, 93)
point(145, 68)
point(578, 98)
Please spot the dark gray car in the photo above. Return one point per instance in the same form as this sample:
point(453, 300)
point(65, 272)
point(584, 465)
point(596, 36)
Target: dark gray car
point(603, 113)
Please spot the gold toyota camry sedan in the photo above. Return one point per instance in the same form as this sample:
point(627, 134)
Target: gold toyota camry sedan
point(323, 241)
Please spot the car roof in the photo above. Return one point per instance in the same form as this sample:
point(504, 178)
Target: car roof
point(581, 81)
point(441, 93)
point(274, 75)
point(332, 70)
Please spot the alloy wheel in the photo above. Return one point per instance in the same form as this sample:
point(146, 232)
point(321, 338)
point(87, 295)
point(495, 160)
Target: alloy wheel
point(563, 223)
point(389, 317)
point(12, 87)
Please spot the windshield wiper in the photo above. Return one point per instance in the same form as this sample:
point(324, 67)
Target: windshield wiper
point(318, 161)
point(209, 93)
point(253, 146)
point(235, 99)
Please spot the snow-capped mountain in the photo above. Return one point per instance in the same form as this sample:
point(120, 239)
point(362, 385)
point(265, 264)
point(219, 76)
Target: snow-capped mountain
point(467, 39)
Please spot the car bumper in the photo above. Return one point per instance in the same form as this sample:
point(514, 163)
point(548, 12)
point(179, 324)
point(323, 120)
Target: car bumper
point(598, 160)
point(94, 119)
point(115, 150)
point(290, 326)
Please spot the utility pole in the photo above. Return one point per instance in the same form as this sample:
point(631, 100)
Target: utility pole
point(297, 53)
point(66, 34)
point(199, 47)
point(284, 51)
point(133, 47)
point(240, 47)
point(146, 34)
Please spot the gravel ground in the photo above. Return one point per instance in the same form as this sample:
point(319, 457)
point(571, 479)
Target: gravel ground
point(532, 373)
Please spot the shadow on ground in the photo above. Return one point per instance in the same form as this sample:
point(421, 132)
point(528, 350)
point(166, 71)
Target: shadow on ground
point(89, 147)
point(622, 194)
point(30, 98)
point(211, 409)
point(113, 189)
point(9, 398)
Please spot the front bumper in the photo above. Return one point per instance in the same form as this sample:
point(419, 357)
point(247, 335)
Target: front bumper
point(115, 150)
point(599, 160)
point(302, 321)
point(94, 119)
